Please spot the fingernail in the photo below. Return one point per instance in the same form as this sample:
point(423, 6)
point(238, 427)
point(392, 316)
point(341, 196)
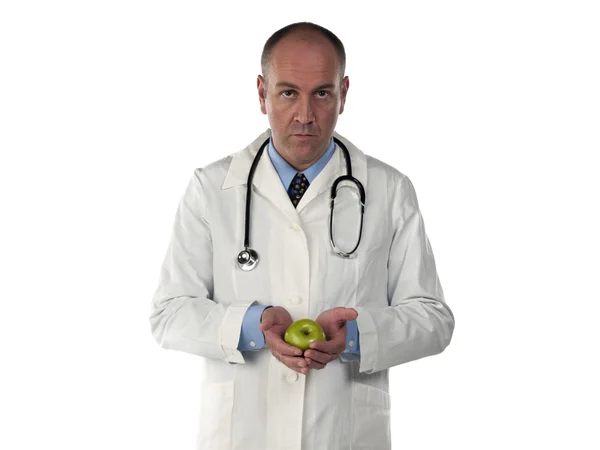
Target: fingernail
point(300, 364)
point(308, 362)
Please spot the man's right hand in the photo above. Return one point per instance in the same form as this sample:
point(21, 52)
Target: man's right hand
point(273, 323)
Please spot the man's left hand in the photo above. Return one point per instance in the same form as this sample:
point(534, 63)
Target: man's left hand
point(333, 321)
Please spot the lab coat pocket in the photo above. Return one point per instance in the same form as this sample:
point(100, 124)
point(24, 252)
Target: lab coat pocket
point(216, 416)
point(371, 418)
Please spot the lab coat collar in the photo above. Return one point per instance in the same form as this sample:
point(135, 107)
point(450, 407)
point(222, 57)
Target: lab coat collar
point(267, 181)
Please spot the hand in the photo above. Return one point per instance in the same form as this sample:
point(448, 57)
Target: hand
point(273, 323)
point(333, 321)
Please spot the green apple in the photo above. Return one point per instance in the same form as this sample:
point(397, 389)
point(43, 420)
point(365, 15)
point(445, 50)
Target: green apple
point(302, 332)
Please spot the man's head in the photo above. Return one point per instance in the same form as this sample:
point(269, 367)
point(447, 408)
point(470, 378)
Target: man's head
point(302, 90)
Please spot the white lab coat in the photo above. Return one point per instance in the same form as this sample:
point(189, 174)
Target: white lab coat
point(250, 400)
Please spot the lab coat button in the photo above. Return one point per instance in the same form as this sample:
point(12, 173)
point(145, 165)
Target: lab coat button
point(292, 377)
point(295, 227)
point(252, 344)
point(295, 300)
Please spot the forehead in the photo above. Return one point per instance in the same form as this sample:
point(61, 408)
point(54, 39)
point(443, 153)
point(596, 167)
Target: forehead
point(304, 62)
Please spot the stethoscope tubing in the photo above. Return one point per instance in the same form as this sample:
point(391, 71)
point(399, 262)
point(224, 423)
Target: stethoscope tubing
point(348, 177)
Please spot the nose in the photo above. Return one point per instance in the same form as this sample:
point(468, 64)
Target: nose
point(304, 113)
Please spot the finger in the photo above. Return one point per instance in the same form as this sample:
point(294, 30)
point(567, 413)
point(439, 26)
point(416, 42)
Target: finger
point(267, 323)
point(352, 314)
point(286, 349)
point(319, 357)
point(335, 345)
point(314, 364)
point(295, 363)
point(345, 314)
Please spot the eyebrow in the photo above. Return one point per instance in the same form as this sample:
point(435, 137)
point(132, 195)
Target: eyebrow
point(293, 86)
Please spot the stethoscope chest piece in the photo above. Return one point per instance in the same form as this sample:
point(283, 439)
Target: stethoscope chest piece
point(247, 259)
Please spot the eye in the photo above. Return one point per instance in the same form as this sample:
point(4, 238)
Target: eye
point(285, 92)
point(325, 93)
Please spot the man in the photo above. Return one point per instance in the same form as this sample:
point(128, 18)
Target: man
point(380, 308)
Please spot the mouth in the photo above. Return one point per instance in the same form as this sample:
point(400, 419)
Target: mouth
point(302, 136)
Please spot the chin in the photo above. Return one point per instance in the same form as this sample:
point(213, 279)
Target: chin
point(303, 154)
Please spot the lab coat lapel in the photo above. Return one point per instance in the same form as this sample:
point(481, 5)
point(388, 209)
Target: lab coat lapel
point(266, 181)
point(268, 184)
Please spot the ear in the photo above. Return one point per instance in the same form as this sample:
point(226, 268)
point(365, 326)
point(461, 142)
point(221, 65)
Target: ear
point(345, 86)
point(261, 86)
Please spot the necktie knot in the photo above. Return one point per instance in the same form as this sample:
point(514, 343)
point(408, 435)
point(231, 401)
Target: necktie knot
point(297, 188)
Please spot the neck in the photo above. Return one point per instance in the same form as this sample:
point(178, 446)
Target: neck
point(300, 166)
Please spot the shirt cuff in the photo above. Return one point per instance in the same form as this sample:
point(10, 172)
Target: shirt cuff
point(251, 336)
point(352, 338)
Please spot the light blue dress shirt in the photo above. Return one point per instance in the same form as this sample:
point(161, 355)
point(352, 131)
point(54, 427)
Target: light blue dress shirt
point(251, 337)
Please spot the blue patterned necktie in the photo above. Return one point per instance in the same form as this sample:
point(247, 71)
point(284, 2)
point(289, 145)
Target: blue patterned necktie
point(297, 188)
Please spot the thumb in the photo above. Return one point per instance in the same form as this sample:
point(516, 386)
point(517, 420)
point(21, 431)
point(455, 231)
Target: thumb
point(347, 314)
point(266, 323)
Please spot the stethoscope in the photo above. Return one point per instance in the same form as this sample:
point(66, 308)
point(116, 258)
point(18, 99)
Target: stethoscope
point(248, 258)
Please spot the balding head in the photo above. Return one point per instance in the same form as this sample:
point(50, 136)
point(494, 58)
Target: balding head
point(306, 32)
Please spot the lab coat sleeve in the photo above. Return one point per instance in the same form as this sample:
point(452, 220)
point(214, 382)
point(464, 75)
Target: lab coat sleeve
point(418, 322)
point(184, 316)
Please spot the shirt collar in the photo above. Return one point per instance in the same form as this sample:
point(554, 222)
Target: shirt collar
point(287, 172)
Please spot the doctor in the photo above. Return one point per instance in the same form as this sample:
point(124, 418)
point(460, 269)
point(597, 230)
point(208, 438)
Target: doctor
point(380, 306)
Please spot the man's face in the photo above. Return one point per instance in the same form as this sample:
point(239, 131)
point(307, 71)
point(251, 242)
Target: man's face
point(303, 97)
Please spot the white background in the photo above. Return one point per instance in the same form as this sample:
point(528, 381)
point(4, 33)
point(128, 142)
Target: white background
point(491, 108)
